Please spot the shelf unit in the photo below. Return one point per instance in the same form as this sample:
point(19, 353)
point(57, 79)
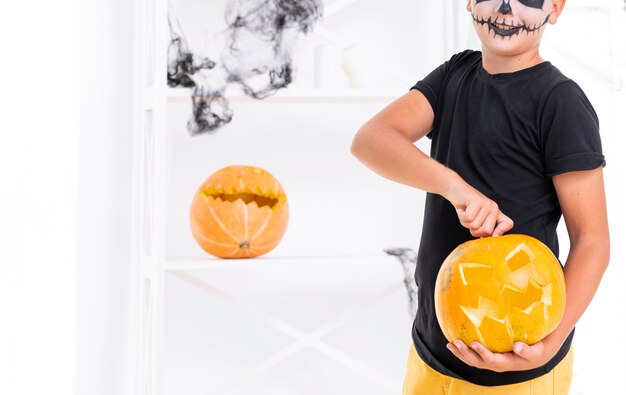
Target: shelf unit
point(313, 321)
point(182, 95)
point(372, 365)
point(182, 264)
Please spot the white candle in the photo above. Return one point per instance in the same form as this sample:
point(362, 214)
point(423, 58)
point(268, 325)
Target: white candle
point(328, 67)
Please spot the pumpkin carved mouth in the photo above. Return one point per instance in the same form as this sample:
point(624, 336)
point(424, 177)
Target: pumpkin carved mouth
point(261, 199)
point(247, 198)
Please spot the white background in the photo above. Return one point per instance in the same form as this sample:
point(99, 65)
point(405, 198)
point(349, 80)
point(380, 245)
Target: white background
point(65, 139)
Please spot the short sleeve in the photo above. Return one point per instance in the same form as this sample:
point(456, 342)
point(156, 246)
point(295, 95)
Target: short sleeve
point(570, 131)
point(431, 85)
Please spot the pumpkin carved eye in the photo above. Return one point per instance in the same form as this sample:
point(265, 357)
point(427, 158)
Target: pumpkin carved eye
point(499, 290)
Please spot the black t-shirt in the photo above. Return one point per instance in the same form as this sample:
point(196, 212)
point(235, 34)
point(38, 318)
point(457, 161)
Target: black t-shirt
point(506, 135)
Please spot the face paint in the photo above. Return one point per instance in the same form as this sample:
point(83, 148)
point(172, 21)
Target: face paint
point(505, 8)
point(506, 21)
point(533, 3)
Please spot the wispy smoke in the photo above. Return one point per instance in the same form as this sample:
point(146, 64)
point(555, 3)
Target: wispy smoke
point(260, 39)
point(210, 111)
point(182, 64)
point(209, 107)
point(408, 260)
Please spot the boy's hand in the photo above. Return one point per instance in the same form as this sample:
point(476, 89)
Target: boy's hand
point(523, 357)
point(477, 212)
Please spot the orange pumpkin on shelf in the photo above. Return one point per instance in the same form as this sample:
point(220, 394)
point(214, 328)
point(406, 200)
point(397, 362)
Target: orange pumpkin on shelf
point(239, 212)
point(499, 290)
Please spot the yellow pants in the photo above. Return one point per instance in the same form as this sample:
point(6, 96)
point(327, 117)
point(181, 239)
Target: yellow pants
point(422, 379)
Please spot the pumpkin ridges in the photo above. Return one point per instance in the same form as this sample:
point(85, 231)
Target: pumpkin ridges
point(270, 237)
point(259, 228)
point(226, 207)
point(215, 243)
point(272, 228)
point(224, 227)
point(272, 234)
point(205, 218)
point(235, 218)
point(245, 220)
point(234, 253)
point(259, 247)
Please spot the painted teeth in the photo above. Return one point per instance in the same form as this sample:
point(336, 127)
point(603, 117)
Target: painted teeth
point(505, 27)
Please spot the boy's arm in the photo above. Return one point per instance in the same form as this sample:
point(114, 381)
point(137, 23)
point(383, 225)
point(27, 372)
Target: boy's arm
point(582, 199)
point(583, 202)
point(385, 145)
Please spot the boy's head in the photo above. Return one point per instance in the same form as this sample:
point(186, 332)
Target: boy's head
point(512, 27)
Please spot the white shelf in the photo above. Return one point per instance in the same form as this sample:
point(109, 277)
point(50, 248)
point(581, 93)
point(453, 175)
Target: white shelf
point(267, 325)
point(181, 264)
point(293, 94)
point(268, 330)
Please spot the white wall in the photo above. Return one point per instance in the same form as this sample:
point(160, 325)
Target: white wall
point(38, 195)
point(104, 358)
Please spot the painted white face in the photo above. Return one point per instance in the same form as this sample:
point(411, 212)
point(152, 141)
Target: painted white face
point(510, 19)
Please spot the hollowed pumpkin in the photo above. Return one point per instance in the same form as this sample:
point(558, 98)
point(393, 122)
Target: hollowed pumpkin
point(239, 212)
point(499, 290)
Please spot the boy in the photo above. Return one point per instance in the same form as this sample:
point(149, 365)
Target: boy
point(515, 144)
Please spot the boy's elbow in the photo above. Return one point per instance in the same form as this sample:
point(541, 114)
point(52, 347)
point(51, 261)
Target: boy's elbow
point(357, 144)
point(603, 244)
point(354, 147)
point(606, 252)
point(600, 243)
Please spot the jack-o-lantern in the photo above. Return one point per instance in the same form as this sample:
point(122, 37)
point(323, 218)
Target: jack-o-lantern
point(499, 290)
point(239, 212)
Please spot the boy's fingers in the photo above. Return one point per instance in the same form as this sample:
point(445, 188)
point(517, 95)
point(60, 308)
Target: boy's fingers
point(527, 352)
point(469, 355)
point(489, 224)
point(463, 216)
point(479, 220)
point(522, 350)
point(504, 225)
point(508, 223)
point(483, 351)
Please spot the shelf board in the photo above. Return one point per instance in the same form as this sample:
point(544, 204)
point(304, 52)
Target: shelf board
point(180, 264)
point(301, 95)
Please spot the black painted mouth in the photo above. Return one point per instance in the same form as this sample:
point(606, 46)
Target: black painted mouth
point(505, 30)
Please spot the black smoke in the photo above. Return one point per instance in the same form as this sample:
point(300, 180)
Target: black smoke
point(260, 39)
point(210, 111)
point(408, 260)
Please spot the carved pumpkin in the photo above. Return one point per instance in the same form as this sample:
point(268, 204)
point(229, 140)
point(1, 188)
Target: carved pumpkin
point(499, 290)
point(239, 212)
